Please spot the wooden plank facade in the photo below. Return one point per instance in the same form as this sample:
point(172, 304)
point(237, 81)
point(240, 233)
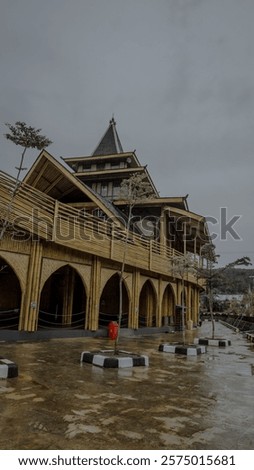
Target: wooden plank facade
point(61, 254)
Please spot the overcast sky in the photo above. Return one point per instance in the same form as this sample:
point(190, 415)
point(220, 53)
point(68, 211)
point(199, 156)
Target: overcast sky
point(178, 75)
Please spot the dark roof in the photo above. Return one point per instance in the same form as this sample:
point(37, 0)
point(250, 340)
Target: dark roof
point(110, 143)
point(115, 210)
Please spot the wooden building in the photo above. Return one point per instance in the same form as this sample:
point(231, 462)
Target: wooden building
point(65, 242)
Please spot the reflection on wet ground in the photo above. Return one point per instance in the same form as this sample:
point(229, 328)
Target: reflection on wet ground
point(203, 402)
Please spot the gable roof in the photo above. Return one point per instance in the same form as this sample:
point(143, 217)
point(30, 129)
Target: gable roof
point(52, 178)
point(110, 142)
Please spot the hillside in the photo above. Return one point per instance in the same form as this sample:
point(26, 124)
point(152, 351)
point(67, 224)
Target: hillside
point(234, 281)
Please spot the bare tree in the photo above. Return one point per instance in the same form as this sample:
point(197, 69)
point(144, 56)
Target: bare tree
point(132, 190)
point(187, 264)
point(26, 137)
point(211, 274)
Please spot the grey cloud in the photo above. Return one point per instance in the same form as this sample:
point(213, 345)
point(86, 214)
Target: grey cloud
point(177, 74)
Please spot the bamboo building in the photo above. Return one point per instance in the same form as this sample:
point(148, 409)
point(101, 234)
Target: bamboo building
point(66, 240)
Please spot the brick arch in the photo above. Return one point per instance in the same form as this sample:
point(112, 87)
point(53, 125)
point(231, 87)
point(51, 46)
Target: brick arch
point(19, 264)
point(11, 296)
point(106, 274)
point(63, 299)
point(154, 284)
point(168, 303)
point(148, 304)
point(110, 299)
point(51, 266)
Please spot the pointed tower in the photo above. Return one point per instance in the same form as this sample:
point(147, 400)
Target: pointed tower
point(108, 166)
point(110, 142)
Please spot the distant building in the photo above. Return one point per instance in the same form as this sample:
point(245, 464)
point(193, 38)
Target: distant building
point(228, 301)
point(229, 297)
point(61, 256)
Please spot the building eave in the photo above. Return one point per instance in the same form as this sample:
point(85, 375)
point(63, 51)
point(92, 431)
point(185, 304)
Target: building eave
point(72, 161)
point(158, 202)
point(60, 179)
point(109, 172)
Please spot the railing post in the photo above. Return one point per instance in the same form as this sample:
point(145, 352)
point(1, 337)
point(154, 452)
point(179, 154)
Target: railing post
point(54, 230)
point(150, 254)
point(112, 243)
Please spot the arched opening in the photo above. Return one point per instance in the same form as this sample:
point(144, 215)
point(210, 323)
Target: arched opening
point(109, 303)
point(10, 297)
point(168, 306)
point(180, 312)
point(147, 306)
point(63, 301)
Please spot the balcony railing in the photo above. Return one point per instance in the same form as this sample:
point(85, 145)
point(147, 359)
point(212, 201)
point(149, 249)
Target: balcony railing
point(44, 217)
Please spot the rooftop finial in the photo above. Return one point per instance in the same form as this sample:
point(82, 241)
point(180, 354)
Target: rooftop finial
point(110, 143)
point(112, 121)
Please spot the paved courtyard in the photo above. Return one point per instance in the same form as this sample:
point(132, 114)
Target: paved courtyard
point(203, 402)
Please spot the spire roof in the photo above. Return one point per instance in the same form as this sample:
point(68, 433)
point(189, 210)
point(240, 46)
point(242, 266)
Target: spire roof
point(110, 143)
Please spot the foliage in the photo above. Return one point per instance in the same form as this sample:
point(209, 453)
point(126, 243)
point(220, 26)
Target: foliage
point(211, 275)
point(183, 265)
point(234, 281)
point(215, 276)
point(135, 189)
point(26, 136)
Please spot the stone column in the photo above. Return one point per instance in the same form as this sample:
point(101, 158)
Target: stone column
point(94, 298)
point(32, 293)
point(134, 313)
point(196, 305)
point(189, 315)
point(159, 306)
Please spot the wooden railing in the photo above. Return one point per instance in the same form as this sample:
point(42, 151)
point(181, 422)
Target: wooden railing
point(51, 220)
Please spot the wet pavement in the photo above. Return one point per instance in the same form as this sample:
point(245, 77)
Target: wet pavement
point(178, 402)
